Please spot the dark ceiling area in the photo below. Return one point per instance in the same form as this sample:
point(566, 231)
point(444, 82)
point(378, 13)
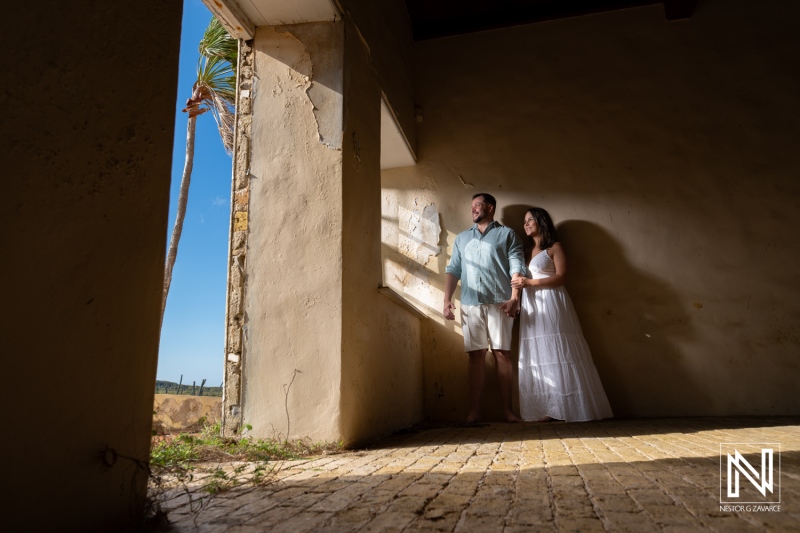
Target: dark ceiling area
point(432, 19)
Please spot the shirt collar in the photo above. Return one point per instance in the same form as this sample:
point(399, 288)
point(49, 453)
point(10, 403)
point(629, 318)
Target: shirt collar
point(491, 225)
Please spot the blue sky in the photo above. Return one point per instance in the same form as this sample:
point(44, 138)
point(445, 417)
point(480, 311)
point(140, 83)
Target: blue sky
point(192, 337)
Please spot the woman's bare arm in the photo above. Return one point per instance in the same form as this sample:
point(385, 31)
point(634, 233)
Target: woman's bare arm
point(558, 279)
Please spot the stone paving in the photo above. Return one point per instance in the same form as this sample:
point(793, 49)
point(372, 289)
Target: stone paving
point(620, 475)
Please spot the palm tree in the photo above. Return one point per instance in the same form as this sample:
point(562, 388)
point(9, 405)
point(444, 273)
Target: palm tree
point(214, 91)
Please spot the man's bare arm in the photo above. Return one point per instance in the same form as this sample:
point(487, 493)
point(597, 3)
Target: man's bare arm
point(450, 282)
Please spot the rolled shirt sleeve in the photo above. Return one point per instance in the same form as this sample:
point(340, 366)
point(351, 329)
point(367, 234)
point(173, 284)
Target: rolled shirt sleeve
point(516, 255)
point(454, 266)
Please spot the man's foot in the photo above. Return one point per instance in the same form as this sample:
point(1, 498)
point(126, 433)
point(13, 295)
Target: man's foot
point(513, 419)
point(546, 419)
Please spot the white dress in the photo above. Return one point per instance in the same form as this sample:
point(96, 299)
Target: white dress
point(557, 377)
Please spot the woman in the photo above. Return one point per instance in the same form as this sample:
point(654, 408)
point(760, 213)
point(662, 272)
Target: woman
point(557, 378)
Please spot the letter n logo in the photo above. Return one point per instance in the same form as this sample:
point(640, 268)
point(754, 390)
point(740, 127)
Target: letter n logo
point(760, 477)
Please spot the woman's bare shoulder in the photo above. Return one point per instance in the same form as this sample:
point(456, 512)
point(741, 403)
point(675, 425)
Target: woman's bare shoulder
point(554, 249)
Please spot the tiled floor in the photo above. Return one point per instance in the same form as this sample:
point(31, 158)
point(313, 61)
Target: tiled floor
point(620, 475)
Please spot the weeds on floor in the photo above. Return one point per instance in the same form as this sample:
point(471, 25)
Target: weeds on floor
point(198, 466)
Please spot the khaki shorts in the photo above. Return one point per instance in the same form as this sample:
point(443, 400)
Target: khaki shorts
point(485, 326)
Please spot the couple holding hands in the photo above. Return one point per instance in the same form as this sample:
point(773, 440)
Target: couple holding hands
point(557, 378)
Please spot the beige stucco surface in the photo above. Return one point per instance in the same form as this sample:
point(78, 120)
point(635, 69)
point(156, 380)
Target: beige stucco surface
point(665, 153)
point(294, 290)
point(384, 30)
point(326, 356)
point(381, 358)
point(83, 211)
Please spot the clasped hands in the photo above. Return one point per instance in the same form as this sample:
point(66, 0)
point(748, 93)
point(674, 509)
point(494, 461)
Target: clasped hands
point(521, 283)
point(510, 308)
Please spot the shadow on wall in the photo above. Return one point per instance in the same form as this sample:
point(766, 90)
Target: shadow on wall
point(634, 324)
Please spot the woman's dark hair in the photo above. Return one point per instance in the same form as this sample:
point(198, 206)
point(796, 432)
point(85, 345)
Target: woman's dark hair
point(546, 227)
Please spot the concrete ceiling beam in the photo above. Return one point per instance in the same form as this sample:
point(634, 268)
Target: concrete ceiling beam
point(232, 18)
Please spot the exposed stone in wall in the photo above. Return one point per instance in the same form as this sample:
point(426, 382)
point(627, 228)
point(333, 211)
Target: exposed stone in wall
point(234, 316)
point(411, 234)
point(419, 237)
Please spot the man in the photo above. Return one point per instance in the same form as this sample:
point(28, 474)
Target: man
point(485, 258)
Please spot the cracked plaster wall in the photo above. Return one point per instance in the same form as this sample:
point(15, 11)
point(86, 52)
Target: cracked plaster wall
point(293, 294)
point(662, 150)
point(319, 340)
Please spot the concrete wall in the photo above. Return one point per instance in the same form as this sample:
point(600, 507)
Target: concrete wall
point(325, 355)
point(87, 147)
point(294, 289)
point(665, 153)
point(381, 352)
point(384, 30)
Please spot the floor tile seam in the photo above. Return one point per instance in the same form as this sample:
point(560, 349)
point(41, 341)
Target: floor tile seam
point(676, 499)
point(750, 519)
point(305, 508)
point(614, 477)
point(711, 442)
point(408, 527)
point(297, 510)
point(550, 489)
point(237, 496)
point(761, 439)
point(514, 484)
point(730, 434)
point(691, 447)
point(672, 469)
point(354, 503)
point(373, 460)
point(685, 462)
point(595, 507)
point(672, 454)
point(329, 459)
point(348, 464)
point(419, 476)
point(709, 455)
point(478, 486)
point(357, 501)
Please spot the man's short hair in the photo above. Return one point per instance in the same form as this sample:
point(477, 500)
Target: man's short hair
point(487, 198)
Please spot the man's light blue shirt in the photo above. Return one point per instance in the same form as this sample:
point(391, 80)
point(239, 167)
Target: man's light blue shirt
point(485, 263)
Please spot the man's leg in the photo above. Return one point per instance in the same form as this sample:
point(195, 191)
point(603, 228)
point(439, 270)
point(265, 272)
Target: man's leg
point(505, 375)
point(477, 375)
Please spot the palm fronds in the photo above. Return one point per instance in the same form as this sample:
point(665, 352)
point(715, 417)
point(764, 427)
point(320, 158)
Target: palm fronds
point(217, 42)
point(215, 88)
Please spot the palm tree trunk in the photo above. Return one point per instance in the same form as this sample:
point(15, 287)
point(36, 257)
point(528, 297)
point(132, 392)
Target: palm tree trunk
point(183, 198)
